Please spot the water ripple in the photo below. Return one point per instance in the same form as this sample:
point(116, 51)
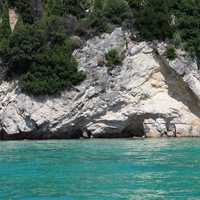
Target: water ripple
point(100, 169)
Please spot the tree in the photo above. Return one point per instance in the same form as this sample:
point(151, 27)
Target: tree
point(55, 7)
point(67, 7)
point(5, 29)
point(54, 70)
point(41, 58)
point(154, 20)
point(55, 30)
point(97, 5)
point(75, 7)
point(22, 46)
point(116, 10)
point(188, 25)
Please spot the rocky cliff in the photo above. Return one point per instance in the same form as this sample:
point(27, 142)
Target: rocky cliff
point(147, 95)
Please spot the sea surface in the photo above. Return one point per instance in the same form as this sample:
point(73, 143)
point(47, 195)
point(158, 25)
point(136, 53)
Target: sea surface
point(148, 169)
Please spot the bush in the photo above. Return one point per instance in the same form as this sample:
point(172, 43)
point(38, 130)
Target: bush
point(67, 7)
point(153, 20)
point(113, 58)
point(55, 30)
point(76, 42)
point(75, 7)
point(42, 59)
point(5, 29)
point(43, 79)
point(171, 52)
point(23, 45)
point(116, 10)
point(54, 69)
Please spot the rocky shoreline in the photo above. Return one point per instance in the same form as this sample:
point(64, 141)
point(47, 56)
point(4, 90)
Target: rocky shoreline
point(146, 96)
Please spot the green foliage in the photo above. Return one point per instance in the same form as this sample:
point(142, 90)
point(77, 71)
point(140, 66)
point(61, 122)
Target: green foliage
point(22, 47)
point(135, 4)
point(98, 5)
point(168, 19)
point(113, 58)
point(54, 70)
point(1, 8)
point(75, 7)
point(188, 20)
point(67, 7)
point(55, 7)
point(97, 22)
point(116, 10)
point(54, 30)
point(177, 40)
point(154, 20)
point(171, 52)
point(5, 29)
point(42, 58)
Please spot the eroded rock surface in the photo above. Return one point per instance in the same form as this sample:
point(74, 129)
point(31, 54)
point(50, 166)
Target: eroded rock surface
point(146, 96)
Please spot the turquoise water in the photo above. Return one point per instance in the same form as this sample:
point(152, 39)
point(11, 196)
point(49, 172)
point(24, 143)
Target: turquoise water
point(100, 169)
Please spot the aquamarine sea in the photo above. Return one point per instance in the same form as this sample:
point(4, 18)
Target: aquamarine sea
point(148, 169)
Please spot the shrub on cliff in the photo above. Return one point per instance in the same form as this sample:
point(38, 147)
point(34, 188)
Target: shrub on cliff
point(22, 47)
point(171, 52)
point(113, 58)
point(54, 70)
point(42, 58)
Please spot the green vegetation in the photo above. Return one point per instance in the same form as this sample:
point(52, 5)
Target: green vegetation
point(154, 20)
point(43, 58)
point(5, 29)
point(171, 52)
point(113, 58)
point(40, 54)
point(116, 10)
point(54, 71)
point(39, 51)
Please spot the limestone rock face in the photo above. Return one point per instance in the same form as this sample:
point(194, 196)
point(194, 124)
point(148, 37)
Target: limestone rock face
point(146, 96)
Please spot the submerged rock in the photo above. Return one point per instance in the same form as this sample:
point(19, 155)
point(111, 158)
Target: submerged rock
point(147, 95)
